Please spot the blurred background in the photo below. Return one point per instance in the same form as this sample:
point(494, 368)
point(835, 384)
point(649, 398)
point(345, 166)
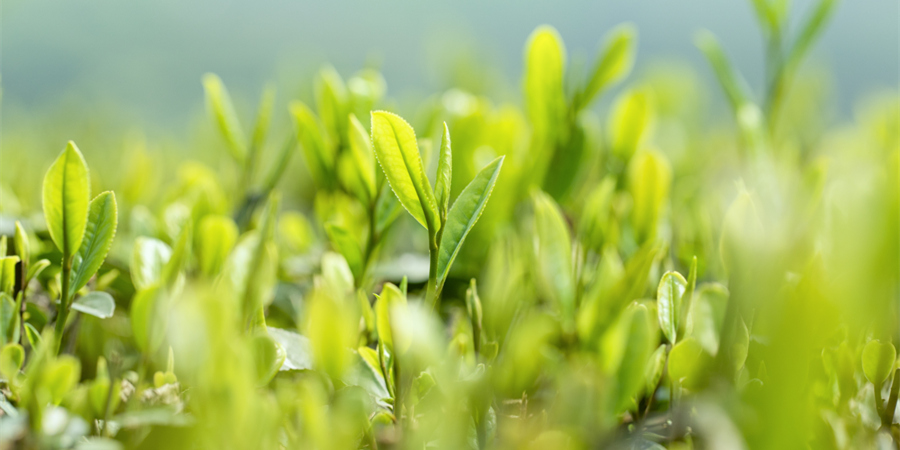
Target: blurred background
point(141, 62)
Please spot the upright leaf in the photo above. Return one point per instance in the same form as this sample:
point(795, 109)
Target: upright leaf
point(347, 246)
point(463, 216)
point(65, 198)
point(733, 84)
point(218, 235)
point(391, 297)
point(361, 148)
point(614, 64)
point(812, 27)
point(317, 148)
point(553, 248)
point(98, 237)
point(444, 175)
point(878, 361)
point(545, 61)
point(629, 123)
point(398, 154)
point(668, 303)
point(21, 244)
point(649, 179)
point(220, 107)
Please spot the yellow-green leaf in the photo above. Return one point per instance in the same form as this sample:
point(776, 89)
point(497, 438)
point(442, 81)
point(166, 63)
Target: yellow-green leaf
point(147, 261)
point(65, 196)
point(397, 152)
point(669, 296)
point(317, 148)
point(218, 235)
point(614, 64)
point(361, 147)
point(220, 107)
point(878, 361)
point(444, 175)
point(545, 61)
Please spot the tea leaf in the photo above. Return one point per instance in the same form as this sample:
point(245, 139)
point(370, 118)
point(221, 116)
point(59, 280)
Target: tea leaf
point(553, 247)
point(733, 84)
point(296, 348)
point(181, 255)
point(147, 261)
point(98, 236)
point(669, 296)
point(464, 214)
point(220, 107)
point(615, 63)
point(8, 274)
point(347, 246)
point(331, 99)
point(684, 359)
point(21, 244)
point(263, 119)
point(65, 196)
point(649, 179)
point(98, 304)
point(319, 154)
point(361, 147)
point(545, 61)
point(878, 361)
point(12, 356)
point(398, 154)
point(812, 28)
point(217, 237)
point(444, 176)
point(630, 122)
point(390, 298)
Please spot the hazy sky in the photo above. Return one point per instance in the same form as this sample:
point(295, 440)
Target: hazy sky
point(149, 55)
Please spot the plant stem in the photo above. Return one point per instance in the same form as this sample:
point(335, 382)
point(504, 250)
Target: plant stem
point(62, 310)
point(432, 294)
point(887, 416)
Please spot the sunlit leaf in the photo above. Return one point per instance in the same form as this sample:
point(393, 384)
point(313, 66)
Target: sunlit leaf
point(614, 63)
point(97, 304)
point(220, 107)
point(878, 361)
point(444, 176)
point(65, 198)
point(669, 296)
point(148, 259)
point(98, 236)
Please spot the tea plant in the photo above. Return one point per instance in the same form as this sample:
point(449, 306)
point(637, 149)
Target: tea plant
point(566, 277)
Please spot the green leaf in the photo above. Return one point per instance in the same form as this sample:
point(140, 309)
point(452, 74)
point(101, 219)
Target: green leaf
point(60, 376)
point(35, 269)
point(263, 119)
point(9, 319)
point(878, 361)
point(8, 274)
point(555, 274)
point(148, 258)
point(296, 347)
point(331, 99)
point(812, 28)
point(363, 156)
point(545, 61)
point(98, 237)
point(220, 107)
point(181, 255)
point(463, 215)
point(649, 180)
point(269, 357)
point(98, 304)
point(332, 329)
point(147, 318)
point(733, 84)
point(444, 176)
point(614, 64)
point(21, 244)
point(33, 335)
point(313, 138)
point(65, 196)
point(708, 316)
point(398, 154)
point(669, 296)
point(629, 122)
point(641, 339)
point(12, 356)
point(390, 298)
point(218, 235)
point(655, 367)
point(684, 359)
point(347, 246)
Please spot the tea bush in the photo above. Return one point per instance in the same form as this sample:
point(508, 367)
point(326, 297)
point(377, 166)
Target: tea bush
point(483, 275)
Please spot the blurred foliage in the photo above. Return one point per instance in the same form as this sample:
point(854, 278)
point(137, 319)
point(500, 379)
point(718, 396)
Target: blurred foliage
point(643, 276)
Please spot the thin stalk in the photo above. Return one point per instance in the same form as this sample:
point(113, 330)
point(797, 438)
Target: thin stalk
point(887, 416)
point(431, 290)
point(371, 242)
point(62, 310)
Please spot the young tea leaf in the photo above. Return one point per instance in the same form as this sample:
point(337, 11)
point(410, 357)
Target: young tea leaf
point(98, 304)
point(398, 154)
point(347, 246)
point(98, 237)
point(147, 261)
point(463, 216)
point(555, 274)
point(669, 301)
point(444, 175)
point(317, 148)
point(878, 361)
point(220, 107)
point(361, 147)
point(218, 235)
point(615, 63)
point(65, 196)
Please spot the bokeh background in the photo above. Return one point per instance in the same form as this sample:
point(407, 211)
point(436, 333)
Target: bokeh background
point(141, 62)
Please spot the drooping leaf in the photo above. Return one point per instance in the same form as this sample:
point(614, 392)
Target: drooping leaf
point(148, 258)
point(103, 218)
point(65, 196)
point(222, 111)
point(613, 65)
point(878, 361)
point(217, 237)
point(296, 347)
point(397, 152)
point(98, 304)
point(669, 296)
point(444, 176)
point(464, 214)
